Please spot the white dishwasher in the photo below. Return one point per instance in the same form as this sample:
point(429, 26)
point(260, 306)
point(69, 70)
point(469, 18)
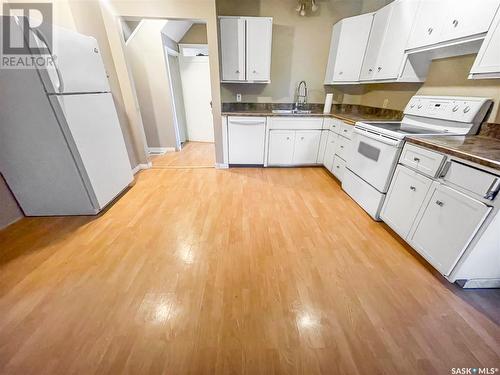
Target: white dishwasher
point(246, 140)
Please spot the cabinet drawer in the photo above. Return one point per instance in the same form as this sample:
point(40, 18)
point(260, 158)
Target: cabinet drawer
point(426, 161)
point(338, 167)
point(346, 130)
point(334, 124)
point(343, 147)
point(479, 182)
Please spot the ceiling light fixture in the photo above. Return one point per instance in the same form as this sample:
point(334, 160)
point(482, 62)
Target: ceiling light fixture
point(304, 5)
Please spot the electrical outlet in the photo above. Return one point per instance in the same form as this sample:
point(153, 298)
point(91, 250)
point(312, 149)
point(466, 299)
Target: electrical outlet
point(386, 103)
point(238, 97)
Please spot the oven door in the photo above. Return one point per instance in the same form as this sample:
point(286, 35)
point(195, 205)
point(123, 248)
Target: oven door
point(374, 157)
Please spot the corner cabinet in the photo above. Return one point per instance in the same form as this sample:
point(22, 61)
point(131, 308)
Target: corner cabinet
point(447, 223)
point(487, 64)
point(347, 49)
point(245, 45)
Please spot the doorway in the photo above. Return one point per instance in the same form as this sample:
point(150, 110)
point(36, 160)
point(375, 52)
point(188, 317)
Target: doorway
point(169, 64)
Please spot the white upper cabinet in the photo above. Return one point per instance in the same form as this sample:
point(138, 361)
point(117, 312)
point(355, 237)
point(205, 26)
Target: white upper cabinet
point(440, 21)
point(259, 36)
point(232, 40)
point(245, 44)
point(388, 38)
point(487, 64)
point(347, 48)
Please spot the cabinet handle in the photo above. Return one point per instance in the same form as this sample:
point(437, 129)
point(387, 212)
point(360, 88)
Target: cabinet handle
point(445, 169)
point(430, 30)
point(370, 70)
point(413, 188)
point(301, 138)
point(287, 138)
point(340, 73)
point(455, 23)
point(341, 146)
point(439, 203)
point(345, 130)
point(416, 159)
point(493, 191)
point(255, 71)
point(237, 71)
point(379, 68)
point(338, 166)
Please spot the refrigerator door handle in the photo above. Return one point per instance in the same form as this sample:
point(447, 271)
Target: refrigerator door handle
point(42, 38)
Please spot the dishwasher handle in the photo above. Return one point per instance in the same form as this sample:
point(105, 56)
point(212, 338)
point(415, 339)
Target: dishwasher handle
point(247, 122)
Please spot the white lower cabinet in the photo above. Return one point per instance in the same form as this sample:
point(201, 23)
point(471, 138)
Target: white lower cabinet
point(446, 224)
point(293, 147)
point(404, 199)
point(338, 167)
point(330, 150)
point(306, 147)
point(281, 144)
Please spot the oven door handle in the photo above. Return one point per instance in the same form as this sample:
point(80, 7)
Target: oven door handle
point(379, 138)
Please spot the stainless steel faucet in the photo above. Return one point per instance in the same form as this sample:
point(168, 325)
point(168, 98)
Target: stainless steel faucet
point(301, 95)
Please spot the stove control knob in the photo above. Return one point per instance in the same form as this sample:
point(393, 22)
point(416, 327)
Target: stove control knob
point(419, 106)
point(412, 105)
point(467, 109)
point(455, 108)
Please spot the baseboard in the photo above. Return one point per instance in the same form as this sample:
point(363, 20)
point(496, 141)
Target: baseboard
point(221, 165)
point(140, 167)
point(10, 222)
point(160, 150)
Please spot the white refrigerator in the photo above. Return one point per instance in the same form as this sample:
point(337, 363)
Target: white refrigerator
point(62, 150)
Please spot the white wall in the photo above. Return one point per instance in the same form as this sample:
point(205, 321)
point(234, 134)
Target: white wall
point(9, 210)
point(147, 61)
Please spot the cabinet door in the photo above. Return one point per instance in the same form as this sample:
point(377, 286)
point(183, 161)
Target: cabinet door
point(466, 18)
point(428, 26)
point(446, 226)
point(259, 40)
point(306, 146)
point(392, 50)
point(330, 150)
point(232, 39)
point(322, 146)
point(488, 58)
point(351, 48)
point(281, 143)
point(404, 198)
point(377, 33)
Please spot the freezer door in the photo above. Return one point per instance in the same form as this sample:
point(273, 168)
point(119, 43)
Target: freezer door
point(78, 66)
point(93, 125)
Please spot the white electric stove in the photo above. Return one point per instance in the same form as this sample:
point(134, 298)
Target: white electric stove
point(376, 146)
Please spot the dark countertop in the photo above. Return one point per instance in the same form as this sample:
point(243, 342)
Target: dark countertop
point(349, 113)
point(479, 149)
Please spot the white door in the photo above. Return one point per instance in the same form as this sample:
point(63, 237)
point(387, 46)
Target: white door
point(377, 34)
point(232, 39)
point(306, 146)
point(258, 48)
point(281, 144)
point(197, 93)
point(330, 150)
point(446, 226)
point(351, 48)
point(488, 58)
point(246, 140)
point(95, 130)
point(373, 158)
point(391, 53)
point(465, 18)
point(78, 66)
point(405, 197)
point(429, 23)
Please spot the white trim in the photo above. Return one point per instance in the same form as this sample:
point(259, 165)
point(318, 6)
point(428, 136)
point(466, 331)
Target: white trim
point(160, 150)
point(14, 220)
point(140, 167)
point(221, 165)
point(132, 34)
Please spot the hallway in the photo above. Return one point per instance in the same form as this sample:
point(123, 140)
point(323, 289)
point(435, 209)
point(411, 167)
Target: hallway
point(192, 155)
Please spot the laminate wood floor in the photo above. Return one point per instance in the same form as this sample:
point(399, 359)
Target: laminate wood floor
point(193, 154)
point(240, 271)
